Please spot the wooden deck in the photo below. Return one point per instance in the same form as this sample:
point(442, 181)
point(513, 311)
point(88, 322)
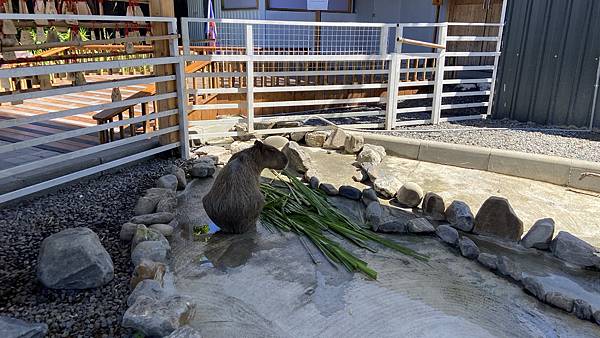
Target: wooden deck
point(57, 103)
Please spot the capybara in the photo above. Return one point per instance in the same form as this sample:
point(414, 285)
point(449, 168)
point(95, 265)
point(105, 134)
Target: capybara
point(235, 202)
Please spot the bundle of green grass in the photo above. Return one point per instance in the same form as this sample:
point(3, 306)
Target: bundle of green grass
point(294, 207)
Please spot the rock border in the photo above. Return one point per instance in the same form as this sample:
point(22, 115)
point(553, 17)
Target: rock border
point(544, 168)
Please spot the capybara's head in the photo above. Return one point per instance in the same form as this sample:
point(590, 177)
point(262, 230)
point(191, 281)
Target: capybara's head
point(269, 156)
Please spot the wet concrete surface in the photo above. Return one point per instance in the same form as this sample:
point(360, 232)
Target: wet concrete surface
point(264, 284)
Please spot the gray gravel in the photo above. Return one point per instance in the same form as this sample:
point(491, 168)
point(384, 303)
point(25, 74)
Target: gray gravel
point(102, 204)
point(573, 143)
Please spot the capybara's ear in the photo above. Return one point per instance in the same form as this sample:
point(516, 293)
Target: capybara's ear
point(258, 143)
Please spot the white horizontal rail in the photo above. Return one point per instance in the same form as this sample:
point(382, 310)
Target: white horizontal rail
point(83, 152)
point(464, 105)
point(203, 91)
point(323, 73)
point(318, 88)
point(413, 110)
point(77, 111)
point(461, 81)
point(215, 74)
point(284, 130)
point(470, 54)
point(462, 94)
point(217, 106)
point(280, 118)
point(83, 173)
point(463, 118)
point(412, 123)
point(415, 83)
point(78, 132)
point(481, 24)
point(95, 18)
point(85, 88)
point(85, 66)
point(293, 58)
point(467, 68)
point(317, 102)
point(472, 38)
point(415, 97)
point(284, 23)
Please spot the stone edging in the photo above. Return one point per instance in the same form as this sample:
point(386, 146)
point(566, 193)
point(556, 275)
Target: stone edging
point(551, 169)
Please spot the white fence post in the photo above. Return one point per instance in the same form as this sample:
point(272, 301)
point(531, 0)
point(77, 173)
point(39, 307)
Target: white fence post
point(182, 97)
point(497, 57)
point(438, 89)
point(383, 41)
point(391, 108)
point(250, 78)
point(398, 39)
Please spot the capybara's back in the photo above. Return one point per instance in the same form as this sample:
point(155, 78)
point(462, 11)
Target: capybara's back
point(235, 202)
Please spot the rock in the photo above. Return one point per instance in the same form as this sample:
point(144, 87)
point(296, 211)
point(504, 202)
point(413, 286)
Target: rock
point(410, 195)
point(368, 196)
point(498, 219)
point(508, 268)
point(560, 301)
point(298, 159)
point(145, 205)
point(371, 154)
point(360, 176)
point(180, 174)
point(582, 309)
point(397, 226)
point(288, 124)
point(203, 169)
point(336, 140)
point(148, 269)
point(597, 317)
point(387, 186)
point(447, 234)
point(373, 171)
point(459, 215)
point(168, 204)
point(574, 250)
point(165, 229)
point(540, 235)
point(420, 226)
point(314, 182)
point(276, 141)
point(329, 189)
point(127, 231)
point(350, 192)
point(74, 259)
point(143, 234)
point(354, 144)
point(147, 288)
point(150, 250)
point(220, 154)
point(316, 138)
point(373, 215)
point(159, 193)
point(534, 287)
point(156, 218)
point(468, 248)
point(238, 146)
point(16, 328)
point(434, 207)
point(167, 182)
point(185, 332)
point(158, 317)
point(297, 136)
point(487, 260)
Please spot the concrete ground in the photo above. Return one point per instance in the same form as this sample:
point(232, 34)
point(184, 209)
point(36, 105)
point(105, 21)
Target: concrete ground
point(264, 284)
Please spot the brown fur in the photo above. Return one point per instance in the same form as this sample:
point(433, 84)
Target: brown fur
point(235, 202)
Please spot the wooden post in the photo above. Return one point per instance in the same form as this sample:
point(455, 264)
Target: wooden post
point(164, 8)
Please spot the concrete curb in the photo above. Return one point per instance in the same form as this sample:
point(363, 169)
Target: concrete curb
point(551, 169)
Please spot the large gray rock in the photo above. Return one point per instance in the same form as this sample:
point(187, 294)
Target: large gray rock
point(329, 189)
point(148, 269)
point(387, 186)
point(276, 141)
point(151, 250)
point(371, 154)
point(368, 196)
point(434, 207)
point(447, 234)
point(410, 195)
point(354, 144)
point(395, 226)
point(560, 300)
point(167, 182)
point(185, 332)
point(220, 154)
point(574, 250)
point(145, 205)
point(419, 226)
point(16, 328)
point(582, 309)
point(535, 287)
point(127, 231)
point(180, 174)
point(540, 235)
point(316, 138)
point(74, 259)
point(468, 248)
point(336, 140)
point(597, 317)
point(148, 288)
point(487, 260)
point(373, 170)
point(168, 204)
point(156, 218)
point(360, 176)
point(238, 146)
point(459, 215)
point(159, 317)
point(374, 215)
point(508, 268)
point(143, 234)
point(298, 159)
point(203, 169)
point(497, 218)
point(165, 229)
point(350, 192)
point(297, 136)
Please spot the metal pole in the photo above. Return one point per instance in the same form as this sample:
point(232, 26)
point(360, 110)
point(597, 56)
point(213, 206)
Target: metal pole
point(182, 95)
point(438, 89)
point(595, 99)
point(250, 78)
point(497, 57)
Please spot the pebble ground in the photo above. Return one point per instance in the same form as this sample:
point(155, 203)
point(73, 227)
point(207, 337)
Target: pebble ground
point(571, 143)
point(102, 204)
